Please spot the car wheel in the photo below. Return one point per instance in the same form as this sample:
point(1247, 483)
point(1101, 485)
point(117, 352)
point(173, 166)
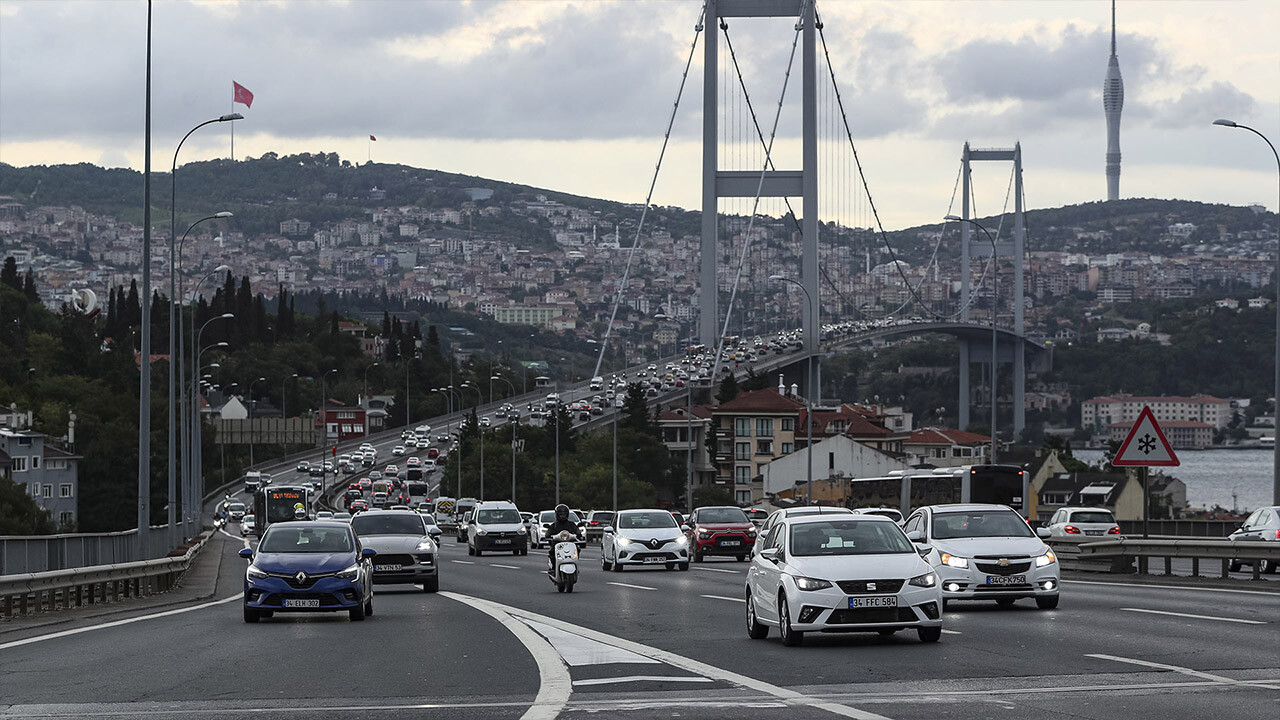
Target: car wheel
point(1233, 566)
point(1267, 566)
point(671, 566)
point(604, 564)
point(1048, 602)
point(929, 634)
point(1005, 602)
point(617, 565)
point(356, 613)
point(790, 638)
point(479, 552)
point(697, 556)
point(684, 566)
point(250, 615)
point(368, 606)
point(431, 585)
point(755, 629)
point(470, 550)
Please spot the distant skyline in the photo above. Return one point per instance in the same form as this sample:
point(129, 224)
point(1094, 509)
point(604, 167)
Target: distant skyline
point(574, 96)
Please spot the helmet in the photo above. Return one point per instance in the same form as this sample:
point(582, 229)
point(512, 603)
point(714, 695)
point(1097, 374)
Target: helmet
point(300, 513)
point(562, 513)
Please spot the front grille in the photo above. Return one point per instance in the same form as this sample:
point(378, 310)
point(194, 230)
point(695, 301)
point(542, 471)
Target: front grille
point(871, 615)
point(1010, 569)
point(292, 580)
point(277, 600)
point(860, 587)
point(652, 543)
point(389, 559)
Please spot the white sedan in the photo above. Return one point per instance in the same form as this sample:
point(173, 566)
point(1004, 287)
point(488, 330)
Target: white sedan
point(841, 573)
point(644, 537)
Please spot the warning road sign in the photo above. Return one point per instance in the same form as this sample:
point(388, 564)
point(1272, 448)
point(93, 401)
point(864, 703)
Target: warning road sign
point(1146, 445)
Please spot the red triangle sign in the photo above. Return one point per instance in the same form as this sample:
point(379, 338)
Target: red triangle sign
point(1146, 445)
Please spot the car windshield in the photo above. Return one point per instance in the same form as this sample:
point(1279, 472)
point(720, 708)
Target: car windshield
point(979, 523)
point(645, 520)
point(387, 524)
point(847, 537)
point(306, 540)
point(486, 517)
point(237, 506)
point(1083, 517)
point(721, 515)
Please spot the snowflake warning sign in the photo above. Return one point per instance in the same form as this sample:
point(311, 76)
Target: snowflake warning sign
point(1145, 445)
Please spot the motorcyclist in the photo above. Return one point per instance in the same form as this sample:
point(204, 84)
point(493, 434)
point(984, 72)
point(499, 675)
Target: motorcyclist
point(562, 523)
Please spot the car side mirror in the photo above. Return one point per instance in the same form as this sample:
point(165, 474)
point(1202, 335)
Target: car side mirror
point(608, 529)
point(770, 554)
point(246, 553)
point(924, 550)
point(368, 552)
point(916, 536)
point(1042, 532)
point(685, 528)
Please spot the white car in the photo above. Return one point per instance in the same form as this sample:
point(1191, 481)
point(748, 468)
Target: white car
point(792, 512)
point(841, 573)
point(1083, 521)
point(496, 526)
point(893, 514)
point(643, 537)
point(397, 450)
point(987, 552)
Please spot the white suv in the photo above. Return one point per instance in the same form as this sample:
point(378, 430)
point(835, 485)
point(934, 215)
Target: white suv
point(496, 526)
point(986, 552)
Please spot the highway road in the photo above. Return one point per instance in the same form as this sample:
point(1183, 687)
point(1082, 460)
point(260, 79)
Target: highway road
point(499, 642)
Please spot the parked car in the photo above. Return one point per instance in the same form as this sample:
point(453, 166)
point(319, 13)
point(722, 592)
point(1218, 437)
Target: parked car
point(643, 537)
point(1262, 524)
point(720, 530)
point(1082, 522)
point(308, 567)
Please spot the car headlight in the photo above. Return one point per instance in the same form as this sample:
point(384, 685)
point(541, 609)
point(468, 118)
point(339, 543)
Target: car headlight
point(955, 562)
point(1048, 558)
point(482, 531)
point(255, 573)
point(926, 580)
point(751, 533)
point(805, 583)
point(622, 541)
point(682, 540)
point(704, 536)
point(425, 545)
point(350, 573)
point(522, 531)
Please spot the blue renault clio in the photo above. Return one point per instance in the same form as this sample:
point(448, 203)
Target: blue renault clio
point(308, 566)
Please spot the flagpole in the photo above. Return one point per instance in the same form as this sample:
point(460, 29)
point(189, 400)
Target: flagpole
point(368, 158)
point(233, 126)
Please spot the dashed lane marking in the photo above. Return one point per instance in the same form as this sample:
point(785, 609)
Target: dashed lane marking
point(462, 562)
point(629, 585)
point(706, 569)
point(509, 567)
point(951, 632)
point(722, 597)
point(1194, 616)
point(642, 678)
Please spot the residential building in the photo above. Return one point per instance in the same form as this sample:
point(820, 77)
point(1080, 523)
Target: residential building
point(683, 430)
point(48, 474)
point(1181, 434)
point(1100, 412)
point(946, 447)
point(342, 423)
point(836, 457)
point(753, 430)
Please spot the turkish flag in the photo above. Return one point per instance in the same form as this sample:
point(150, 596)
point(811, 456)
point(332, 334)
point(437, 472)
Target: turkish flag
point(242, 94)
point(373, 138)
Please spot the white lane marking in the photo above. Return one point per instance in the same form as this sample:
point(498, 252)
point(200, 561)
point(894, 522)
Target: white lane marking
point(509, 567)
point(641, 678)
point(1170, 587)
point(577, 650)
point(638, 587)
point(1195, 617)
point(722, 597)
point(735, 572)
point(1163, 666)
point(554, 683)
point(793, 697)
point(951, 632)
point(116, 623)
point(462, 562)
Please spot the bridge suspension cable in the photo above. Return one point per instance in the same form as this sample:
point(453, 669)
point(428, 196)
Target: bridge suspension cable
point(666, 138)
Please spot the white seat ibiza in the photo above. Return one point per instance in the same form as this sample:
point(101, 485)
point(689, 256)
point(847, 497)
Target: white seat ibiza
point(841, 573)
point(644, 537)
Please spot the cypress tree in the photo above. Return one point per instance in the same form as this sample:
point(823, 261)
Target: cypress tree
point(29, 287)
point(9, 275)
point(133, 310)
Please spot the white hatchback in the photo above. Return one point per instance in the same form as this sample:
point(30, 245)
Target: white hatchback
point(643, 537)
point(841, 573)
point(1082, 522)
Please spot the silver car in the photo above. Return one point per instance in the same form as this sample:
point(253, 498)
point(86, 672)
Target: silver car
point(1263, 524)
point(406, 552)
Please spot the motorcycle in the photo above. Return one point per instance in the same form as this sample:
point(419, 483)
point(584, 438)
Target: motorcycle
point(564, 573)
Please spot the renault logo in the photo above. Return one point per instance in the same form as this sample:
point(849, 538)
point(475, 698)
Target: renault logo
point(301, 577)
point(1003, 562)
point(655, 543)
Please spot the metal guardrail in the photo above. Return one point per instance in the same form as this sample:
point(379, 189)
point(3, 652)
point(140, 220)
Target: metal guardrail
point(44, 553)
point(77, 587)
point(1120, 555)
point(1182, 528)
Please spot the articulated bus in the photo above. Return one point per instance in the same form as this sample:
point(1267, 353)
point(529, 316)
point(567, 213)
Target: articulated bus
point(909, 489)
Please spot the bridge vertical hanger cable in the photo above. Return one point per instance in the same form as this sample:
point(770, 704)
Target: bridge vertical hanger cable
point(764, 168)
point(666, 138)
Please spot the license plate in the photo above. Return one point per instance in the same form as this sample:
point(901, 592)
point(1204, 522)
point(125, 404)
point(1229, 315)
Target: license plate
point(387, 568)
point(653, 560)
point(730, 543)
point(1092, 532)
point(880, 601)
point(302, 603)
point(502, 542)
point(1006, 579)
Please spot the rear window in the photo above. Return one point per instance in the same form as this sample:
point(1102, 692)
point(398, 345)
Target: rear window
point(1093, 516)
point(979, 523)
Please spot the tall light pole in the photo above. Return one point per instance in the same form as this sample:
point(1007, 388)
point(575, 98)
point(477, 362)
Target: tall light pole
point(808, 404)
point(995, 302)
point(324, 425)
point(366, 383)
point(284, 398)
point(252, 425)
point(479, 431)
point(192, 415)
point(688, 431)
point(448, 394)
point(1275, 465)
point(197, 455)
point(513, 424)
point(173, 304)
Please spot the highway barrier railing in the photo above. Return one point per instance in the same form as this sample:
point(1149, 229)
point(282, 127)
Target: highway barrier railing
point(44, 553)
point(25, 593)
point(1181, 528)
point(1120, 555)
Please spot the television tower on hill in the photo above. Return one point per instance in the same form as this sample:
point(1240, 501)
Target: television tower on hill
point(1112, 104)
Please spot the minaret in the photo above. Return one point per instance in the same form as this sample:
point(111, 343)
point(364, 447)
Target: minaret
point(1112, 104)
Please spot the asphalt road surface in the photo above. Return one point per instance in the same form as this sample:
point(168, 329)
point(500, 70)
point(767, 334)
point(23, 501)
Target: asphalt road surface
point(499, 642)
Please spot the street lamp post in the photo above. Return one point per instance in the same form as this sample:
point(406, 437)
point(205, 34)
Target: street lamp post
point(808, 404)
point(513, 424)
point(190, 415)
point(197, 448)
point(252, 424)
point(284, 399)
point(479, 431)
point(448, 394)
point(1275, 463)
point(195, 429)
point(995, 301)
point(324, 425)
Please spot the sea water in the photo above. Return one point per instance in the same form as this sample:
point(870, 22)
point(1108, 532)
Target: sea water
point(1213, 477)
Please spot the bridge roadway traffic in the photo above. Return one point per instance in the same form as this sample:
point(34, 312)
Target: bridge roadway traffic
point(499, 642)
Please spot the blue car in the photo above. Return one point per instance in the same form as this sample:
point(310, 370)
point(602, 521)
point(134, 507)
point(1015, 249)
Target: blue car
point(308, 566)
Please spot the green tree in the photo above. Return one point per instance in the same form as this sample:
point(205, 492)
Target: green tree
point(19, 514)
point(728, 389)
point(9, 274)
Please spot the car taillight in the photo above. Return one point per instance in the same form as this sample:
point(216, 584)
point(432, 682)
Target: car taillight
point(1278, 534)
point(1114, 530)
point(1071, 530)
point(594, 522)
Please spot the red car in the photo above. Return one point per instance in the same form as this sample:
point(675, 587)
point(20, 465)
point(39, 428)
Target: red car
point(720, 530)
point(433, 453)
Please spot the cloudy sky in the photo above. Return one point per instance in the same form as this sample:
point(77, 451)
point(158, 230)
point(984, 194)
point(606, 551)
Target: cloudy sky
point(575, 96)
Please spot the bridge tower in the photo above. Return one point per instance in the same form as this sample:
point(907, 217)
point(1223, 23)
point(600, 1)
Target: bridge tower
point(979, 351)
point(717, 183)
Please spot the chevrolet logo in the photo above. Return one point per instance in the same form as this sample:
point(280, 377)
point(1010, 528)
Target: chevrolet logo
point(1003, 562)
point(871, 586)
point(301, 577)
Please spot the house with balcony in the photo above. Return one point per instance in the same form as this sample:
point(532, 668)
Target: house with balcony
point(49, 475)
point(753, 430)
point(684, 430)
